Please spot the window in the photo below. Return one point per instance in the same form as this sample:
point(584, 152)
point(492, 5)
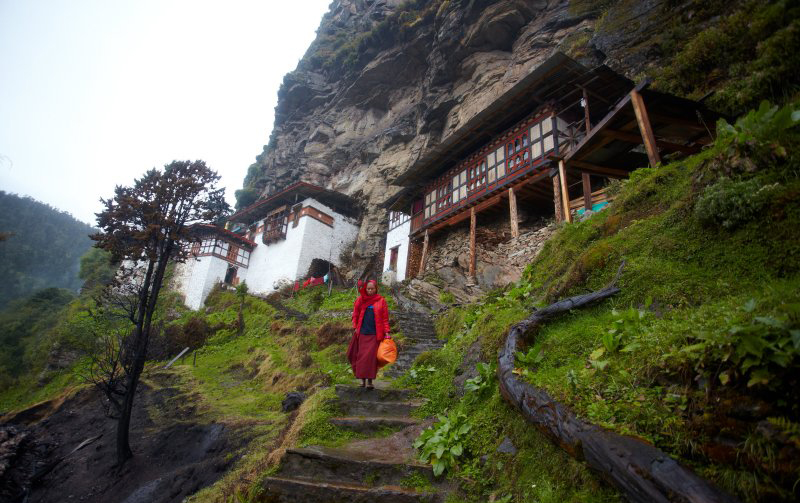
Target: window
point(477, 176)
point(393, 253)
point(196, 248)
point(397, 218)
point(444, 196)
point(430, 199)
point(275, 225)
point(542, 139)
point(243, 257)
point(497, 166)
point(518, 151)
point(459, 186)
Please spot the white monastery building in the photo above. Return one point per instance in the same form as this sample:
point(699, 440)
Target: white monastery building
point(296, 232)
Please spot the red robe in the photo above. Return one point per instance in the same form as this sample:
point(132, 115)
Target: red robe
point(363, 349)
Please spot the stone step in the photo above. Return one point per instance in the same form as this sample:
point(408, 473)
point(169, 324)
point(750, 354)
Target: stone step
point(378, 409)
point(378, 394)
point(369, 425)
point(288, 490)
point(325, 464)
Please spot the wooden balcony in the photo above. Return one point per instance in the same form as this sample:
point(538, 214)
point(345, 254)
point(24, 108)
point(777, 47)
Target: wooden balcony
point(520, 153)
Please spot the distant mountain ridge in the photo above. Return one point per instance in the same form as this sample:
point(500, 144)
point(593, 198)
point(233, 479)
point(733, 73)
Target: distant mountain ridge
point(42, 248)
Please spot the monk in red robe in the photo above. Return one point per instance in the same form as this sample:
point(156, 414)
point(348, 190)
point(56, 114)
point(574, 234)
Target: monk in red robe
point(370, 327)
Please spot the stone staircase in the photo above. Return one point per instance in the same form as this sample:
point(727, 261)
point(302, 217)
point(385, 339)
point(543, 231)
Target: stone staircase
point(420, 336)
point(375, 469)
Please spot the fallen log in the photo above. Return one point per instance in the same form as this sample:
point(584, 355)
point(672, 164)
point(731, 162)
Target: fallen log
point(643, 473)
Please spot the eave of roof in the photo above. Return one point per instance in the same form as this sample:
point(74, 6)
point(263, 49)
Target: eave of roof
point(291, 194)
point(558, 80)
point(206, 229)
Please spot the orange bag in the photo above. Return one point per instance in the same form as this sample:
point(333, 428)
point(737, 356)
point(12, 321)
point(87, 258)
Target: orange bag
point(387, 352)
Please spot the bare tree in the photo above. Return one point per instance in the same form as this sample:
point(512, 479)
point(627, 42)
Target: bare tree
point(145, 227)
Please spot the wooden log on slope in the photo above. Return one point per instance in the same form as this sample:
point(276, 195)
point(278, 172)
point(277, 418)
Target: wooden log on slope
point(643, 473)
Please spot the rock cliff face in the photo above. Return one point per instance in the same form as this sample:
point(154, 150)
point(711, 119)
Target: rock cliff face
point(384, 82)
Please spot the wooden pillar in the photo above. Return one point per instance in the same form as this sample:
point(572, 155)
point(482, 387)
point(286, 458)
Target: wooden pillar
point(425, 244)
point(512, 206)
point(562, 173)
point(644, 127)
point(587, 191)
point(472, 226)
point(586, 110)
point(558, 211)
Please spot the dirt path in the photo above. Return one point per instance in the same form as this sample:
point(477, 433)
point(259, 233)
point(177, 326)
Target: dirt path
point(173, 456)
point(376, 469)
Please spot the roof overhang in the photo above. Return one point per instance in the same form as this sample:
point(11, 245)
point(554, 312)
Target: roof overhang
point(610, 148)
point(292, 194)
point(559, 82)
point(201, 231)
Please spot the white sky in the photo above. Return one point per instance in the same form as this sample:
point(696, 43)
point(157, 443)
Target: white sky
point(95, 92)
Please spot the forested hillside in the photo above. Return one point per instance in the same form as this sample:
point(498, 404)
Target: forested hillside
point(41, 249)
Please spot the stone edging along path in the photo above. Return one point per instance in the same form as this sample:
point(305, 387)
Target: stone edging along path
point(642, 472)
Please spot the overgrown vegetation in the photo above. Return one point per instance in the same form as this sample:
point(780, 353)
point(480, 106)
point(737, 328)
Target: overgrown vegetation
point(749, 54)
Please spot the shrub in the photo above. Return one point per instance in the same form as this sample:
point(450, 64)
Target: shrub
point(732, 203)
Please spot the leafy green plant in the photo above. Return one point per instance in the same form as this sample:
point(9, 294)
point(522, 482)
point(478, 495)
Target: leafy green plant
point(484, 380)
point(767, 121)
point(418, 372)
point(443, 442)
point(754, 351)
point(531, 358)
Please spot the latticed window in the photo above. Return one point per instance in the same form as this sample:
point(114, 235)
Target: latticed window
point(275, 225)
point(397, 218)
point(444, 196)
point(517, 152)
point(477, 175)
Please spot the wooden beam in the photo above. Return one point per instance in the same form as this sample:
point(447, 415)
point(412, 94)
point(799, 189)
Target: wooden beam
point(587, 191)
point(512, 208)
point(600, 170)
point(645, 128)
point(666, 145)
point(562, 173)
point(557, 199)
point(472, 226)
point(586, 110)
point(424, 254)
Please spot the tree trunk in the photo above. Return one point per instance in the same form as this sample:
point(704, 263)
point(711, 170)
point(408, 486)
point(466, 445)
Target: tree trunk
point(141, 338)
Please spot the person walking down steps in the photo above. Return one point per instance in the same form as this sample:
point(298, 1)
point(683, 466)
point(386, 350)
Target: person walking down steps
point(370, 327)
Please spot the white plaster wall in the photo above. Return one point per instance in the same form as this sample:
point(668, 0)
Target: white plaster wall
point(398, 237)
point(289, 259)
point(195, 278)
point(321, 241)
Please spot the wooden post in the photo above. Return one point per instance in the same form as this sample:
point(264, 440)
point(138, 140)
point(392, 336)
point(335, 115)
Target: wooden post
point(424, 254)
point(558, 212)
point(472, 242)
point(644, 127)
point(562, 173)
point(587, 191)
point(586, 110)
point(512, 205)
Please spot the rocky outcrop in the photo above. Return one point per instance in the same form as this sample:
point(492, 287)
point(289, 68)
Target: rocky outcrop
point(381, 86)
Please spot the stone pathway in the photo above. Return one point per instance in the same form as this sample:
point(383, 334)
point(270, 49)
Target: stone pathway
point(375, 469)
point(420, 334)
